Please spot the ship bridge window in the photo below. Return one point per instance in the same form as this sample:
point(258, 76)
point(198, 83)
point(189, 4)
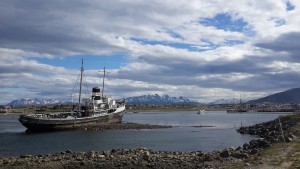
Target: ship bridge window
point(96, 97)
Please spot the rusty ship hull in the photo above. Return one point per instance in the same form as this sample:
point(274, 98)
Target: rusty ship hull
point(37, 124)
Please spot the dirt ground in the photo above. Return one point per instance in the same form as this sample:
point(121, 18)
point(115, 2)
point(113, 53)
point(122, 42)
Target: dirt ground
point(279, 156)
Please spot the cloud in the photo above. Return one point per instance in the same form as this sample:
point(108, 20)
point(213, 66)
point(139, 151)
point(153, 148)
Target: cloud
point(288, 42)
point(199, 49)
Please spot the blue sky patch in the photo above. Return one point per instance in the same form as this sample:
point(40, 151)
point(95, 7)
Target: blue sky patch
point(225, 22)
point(289, 6)
point(280, 22)
point(174, 34)
point(210, 44)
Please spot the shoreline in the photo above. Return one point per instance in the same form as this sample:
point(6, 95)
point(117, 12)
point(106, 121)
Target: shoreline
point(169, 110)
point(249, 155)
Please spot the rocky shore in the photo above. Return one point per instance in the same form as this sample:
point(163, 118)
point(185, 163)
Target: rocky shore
point(126, 158)
point(275, 131)
point(270, 132)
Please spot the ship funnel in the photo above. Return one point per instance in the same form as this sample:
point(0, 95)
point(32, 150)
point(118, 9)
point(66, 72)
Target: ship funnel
point(96, 93)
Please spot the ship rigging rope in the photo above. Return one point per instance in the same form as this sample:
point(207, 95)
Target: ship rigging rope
point(84, 79)
point(86, 86)
point(74, 87)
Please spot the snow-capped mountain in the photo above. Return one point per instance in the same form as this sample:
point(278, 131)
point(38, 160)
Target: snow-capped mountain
point(145, 99)
point(156, 99)
point(35, 102)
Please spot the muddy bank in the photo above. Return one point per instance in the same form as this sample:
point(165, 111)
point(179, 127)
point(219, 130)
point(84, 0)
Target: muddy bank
point(115, 126)
point(126, 125)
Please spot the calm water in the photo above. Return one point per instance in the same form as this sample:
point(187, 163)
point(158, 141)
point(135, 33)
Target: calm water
point(183, 137)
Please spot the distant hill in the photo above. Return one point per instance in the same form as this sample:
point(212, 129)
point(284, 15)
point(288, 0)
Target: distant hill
point(35, 102)
point(156, 99)
point(145, 99)
point(289, 96)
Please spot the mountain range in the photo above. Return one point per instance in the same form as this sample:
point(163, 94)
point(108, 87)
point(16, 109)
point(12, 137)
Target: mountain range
point(144, 99)
point(289, 96)
point(36, 102)
point(156, 99)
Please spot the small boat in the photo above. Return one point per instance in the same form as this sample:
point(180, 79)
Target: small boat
point(238, 108)
point(95, 110)
point(201, 112)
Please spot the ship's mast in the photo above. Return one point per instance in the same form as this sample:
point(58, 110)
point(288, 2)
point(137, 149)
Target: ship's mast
point(104, 73)
point(81, 73)
point(103, 81)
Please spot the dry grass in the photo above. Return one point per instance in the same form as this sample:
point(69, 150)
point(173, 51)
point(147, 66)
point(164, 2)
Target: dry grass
point(283, 155)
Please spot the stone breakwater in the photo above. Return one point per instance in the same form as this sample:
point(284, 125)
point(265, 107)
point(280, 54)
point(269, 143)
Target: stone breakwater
point(275, 131)
point(270, 132)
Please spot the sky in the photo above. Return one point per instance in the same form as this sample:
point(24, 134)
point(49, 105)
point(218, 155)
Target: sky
point(204, 50)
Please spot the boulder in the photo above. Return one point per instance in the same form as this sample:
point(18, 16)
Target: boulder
point(246, 146)
point(281, 139)
point(25, 156)
point(239, 148)
point(68, 151)
point(225, 153)
point(208, 157)
point(101, 156)
point(292, 136)
point(253, 151)
point(146, 155)
point(240, 155)
point(92, 154)
point(262, 143)
point(6, 162)
point(288, 139)
point(107, 153)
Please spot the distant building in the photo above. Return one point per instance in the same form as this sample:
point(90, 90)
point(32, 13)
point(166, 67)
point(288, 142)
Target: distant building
point(5, 109)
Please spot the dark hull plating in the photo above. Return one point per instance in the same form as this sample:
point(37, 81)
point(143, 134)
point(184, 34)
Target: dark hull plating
point(34, 124)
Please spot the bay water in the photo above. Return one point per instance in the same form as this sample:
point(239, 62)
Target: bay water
point(185, 135)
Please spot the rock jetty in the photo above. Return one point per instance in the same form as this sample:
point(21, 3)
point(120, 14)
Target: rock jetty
point(275, 131)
